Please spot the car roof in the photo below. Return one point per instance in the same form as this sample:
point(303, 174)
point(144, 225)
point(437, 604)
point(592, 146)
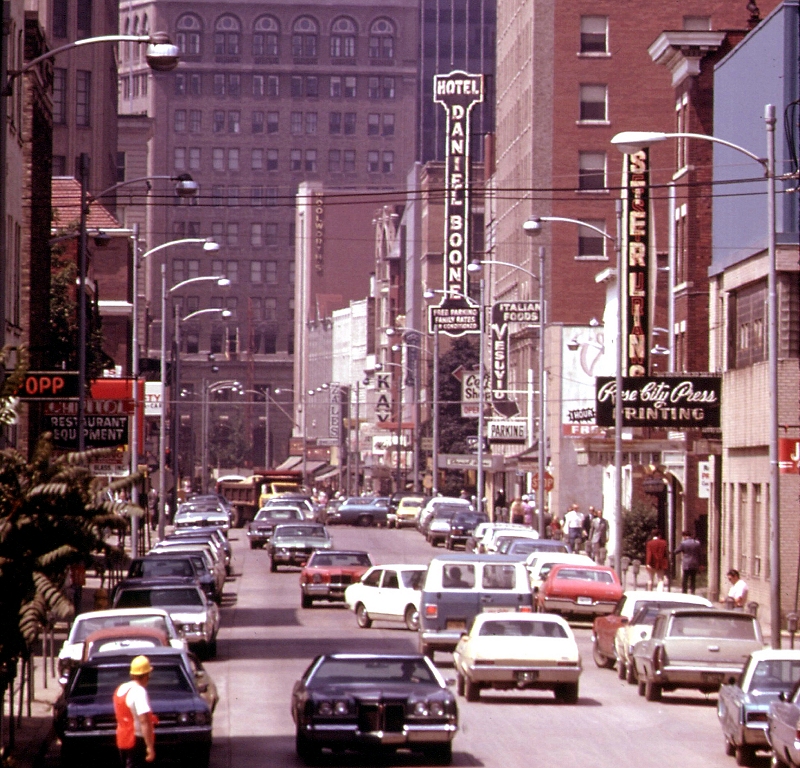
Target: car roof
point(161, 582)
point(474, 558)
point(783, 654)
point(665, 597)
point(583, 566)
point(123, 656)
point(401, 566)
point(517, 616)
point(130, 631)
point(110, 612)
point(701, 611)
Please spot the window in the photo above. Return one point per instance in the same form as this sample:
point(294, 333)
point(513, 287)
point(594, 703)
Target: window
point(193, 229)
point(271, 233)
point(296, 123)
point(84, 19)
point(682, 126)
point(381, 39)
point(593, 103)
point(232, 267)
point(227, 34)
point(272, 122)
point(296, 160)
point(373, 124)
point(258, 122)
point(59, 165)
point(233, 196)
point(312, 86)
point(271, 271)
point(591, 244)
point(336, 87)
point(179, 158)
point(343, 39)
point(194, 158)
point(311, 160)
point(592, 170)
point(311, 123)
point(349, 161)
point(219, 85)
point(335, 123)
point(259, 88)
point(271, 309)
point(373, 161)
point(217, 193)
point(388, 87)
point(178, 270)
point(180, 84)
point(273, 86)
point(218, 159)
point(265, 36)
point(350, 87)
point(83, 97)
point(59, 21)
point(747, 319)
point(59, 96)
point(120, 175)
point(271, 195)
point(234, 85)
point(387, 162)
point(219, 121)
point(234, 121)
point(296, 86)
point(256, 267)
point(374, 88)
point(334, 161)
point(188, 35)
point(256, 159)
point(304, 38)
point(233, 159)
point(256, 196)
point(195, 120)
point(195, 85)
point(192, 268)
point(178, 229)
point(697, 23)
point(388, 124)
point(272, 159)
point(349, 123)
point(594, 34)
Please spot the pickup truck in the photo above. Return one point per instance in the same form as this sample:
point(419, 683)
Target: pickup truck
point(699, 648)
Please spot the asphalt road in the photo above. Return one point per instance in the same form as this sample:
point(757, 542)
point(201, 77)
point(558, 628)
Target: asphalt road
point(267, 641)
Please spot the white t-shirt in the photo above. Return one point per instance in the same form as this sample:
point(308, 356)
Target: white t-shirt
point(738, 591)
point(573, 519)
point(138, 702)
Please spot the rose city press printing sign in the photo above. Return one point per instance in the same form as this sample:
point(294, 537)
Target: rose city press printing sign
point(687, 402)
point(458, 92)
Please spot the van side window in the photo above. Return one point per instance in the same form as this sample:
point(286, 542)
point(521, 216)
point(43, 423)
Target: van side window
point(458, 576)
point(496, 576)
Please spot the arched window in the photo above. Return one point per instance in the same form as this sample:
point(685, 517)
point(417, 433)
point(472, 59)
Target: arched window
point(125, 48)
point(305, 33)
point(227, 35)
point(266, 32)
point(381, 39)
point(187, 37)
point(343, 39)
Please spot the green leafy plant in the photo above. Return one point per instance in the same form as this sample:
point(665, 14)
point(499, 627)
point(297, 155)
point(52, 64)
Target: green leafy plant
point(637, 524)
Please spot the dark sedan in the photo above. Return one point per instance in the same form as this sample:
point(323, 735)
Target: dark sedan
point(374, 703)
point(259, 530)
point(181, 694)
point(158, 566)
point(362, 510)
point(462, 527)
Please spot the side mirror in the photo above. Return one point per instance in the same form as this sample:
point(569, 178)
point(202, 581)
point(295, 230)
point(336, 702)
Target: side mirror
point(783, 696)
point(624, 620)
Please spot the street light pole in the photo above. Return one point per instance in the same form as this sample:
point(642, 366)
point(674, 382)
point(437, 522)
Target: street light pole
point(481, 393)
point(435, 420)
point(541, 494)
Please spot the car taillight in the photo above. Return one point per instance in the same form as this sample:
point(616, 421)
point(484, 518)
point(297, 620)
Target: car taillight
point(659, 657)
point(431, 611)
point(484, 662)
point(525, 609)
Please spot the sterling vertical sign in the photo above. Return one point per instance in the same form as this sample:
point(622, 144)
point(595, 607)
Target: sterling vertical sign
point(458, 93)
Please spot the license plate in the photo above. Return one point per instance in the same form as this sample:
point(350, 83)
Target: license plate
point(713, 677)
point(584, 601)
point(456, 624)
point(527, 675)
point(496, 609)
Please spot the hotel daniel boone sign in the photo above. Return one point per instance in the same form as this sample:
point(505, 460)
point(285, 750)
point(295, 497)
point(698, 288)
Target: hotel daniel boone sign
point(458, 92)
point(682, 402)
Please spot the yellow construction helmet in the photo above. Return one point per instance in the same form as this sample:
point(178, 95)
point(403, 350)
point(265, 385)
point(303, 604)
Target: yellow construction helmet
point(141, 666)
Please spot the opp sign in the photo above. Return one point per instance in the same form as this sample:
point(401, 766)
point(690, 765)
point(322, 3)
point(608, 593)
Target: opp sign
point(49, 385)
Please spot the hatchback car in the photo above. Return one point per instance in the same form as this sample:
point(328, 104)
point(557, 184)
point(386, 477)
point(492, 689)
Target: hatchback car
point(387, 593)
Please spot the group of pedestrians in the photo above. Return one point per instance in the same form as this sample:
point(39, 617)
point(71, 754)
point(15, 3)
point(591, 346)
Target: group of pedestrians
point(589, 532)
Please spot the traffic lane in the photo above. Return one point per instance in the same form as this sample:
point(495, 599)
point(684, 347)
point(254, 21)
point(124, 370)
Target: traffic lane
point(267, 642)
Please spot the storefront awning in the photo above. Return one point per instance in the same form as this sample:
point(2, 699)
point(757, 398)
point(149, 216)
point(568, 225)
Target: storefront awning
point(290, 463)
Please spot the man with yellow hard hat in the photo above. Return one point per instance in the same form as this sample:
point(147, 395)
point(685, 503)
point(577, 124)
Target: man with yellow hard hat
point(136, 739)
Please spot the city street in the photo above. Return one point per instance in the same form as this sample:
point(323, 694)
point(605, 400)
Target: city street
point(267, 641)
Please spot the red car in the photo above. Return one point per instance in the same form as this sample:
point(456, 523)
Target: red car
point(328, 573)
point(579, 590)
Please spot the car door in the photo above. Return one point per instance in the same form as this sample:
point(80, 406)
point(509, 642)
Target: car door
point(371, 592)
point(391, 596)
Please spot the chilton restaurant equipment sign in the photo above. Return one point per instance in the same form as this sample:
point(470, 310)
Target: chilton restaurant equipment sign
point(686, 402)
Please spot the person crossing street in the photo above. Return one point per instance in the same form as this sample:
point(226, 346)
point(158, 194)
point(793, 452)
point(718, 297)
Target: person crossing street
point(135, 735)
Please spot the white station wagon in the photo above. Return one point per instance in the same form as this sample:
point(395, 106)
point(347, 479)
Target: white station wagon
point(387, 593)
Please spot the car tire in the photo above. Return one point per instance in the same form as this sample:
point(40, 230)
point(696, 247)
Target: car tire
point(72, 756)
point(362, 617)
point(459, 684)
point(472, 691)
point(745, 755)
point(439, 754)
point(730, 750)
point(411, 617)
point(640, 687)
point(567, 693)
point(273, 566)
point(621, 670)
point(365, 521)
point(253, 545)
point(776, 762)
point(211, 649)
point(305, 600)
point(449, 544)
point(630, 673)
point(200, 757)
point(600, 659)
point(306, 750)
point(652, 691)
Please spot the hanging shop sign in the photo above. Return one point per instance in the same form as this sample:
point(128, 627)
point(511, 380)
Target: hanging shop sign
point(687, 402)
point(503, 314)
point(507, 431)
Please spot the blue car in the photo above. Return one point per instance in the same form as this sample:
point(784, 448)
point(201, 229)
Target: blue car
point(361, 510)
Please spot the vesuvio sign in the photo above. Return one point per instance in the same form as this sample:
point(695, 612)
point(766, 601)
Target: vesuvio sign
point(504, 313)
point(686, 402)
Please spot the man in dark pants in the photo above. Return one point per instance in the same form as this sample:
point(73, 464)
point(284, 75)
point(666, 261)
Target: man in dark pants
point(692, 551)
point(136, 739)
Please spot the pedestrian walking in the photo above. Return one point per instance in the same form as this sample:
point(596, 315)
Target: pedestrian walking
point(598, 536)
point(692, 552)
point(573, 522)
point(656, 561)
point(135, 735)
point(517, 511)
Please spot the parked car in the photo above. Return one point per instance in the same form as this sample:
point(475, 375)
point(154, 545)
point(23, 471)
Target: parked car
point(182, 696)
point(164, 566)
point(695, 648)
point(782, 723)
point(437, 528)
point(407, 511)
point(259, 530)
point(293, 543)
point(539, 564)
point(329, 572)
point(458, 587)
point(743, 706)
point(481, 531)
point(462, 526)
point(373, 703)
point(194, 615)
point(387, 593)
point(213, 559)
point(492, 536)
point(513, 651)
point(362, 510)
point(85, 624)
point(297, 500)
point(202, 513)
point(123, 639)
point(331, 510)
point(216, 535)
point(522, 547)
point(434, 503)
point(579, 590)
point(604, 629)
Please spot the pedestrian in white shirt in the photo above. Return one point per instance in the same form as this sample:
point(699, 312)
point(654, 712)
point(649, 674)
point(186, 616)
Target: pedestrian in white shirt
point(573, 522)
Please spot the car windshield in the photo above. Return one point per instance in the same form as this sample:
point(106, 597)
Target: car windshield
point(339, 559)
point(413, 579)
point(512, 628)
point(730, 627)
point(467, 518)
point(84, 627)
point(584, 574)
point(303, 531)
point(775, 674)
point(155, 568)
point(159, 597)
point(279, 514)
point(521, 547)
point(104, 680)
point(373, 670)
